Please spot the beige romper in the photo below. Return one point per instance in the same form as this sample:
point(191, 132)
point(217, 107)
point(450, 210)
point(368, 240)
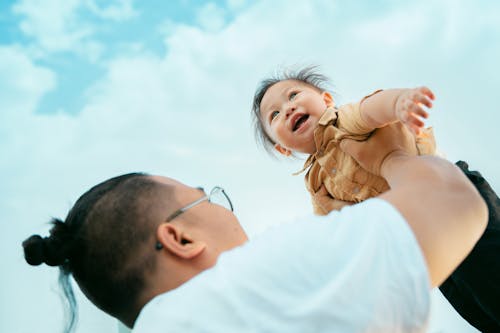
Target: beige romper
point(334, 179)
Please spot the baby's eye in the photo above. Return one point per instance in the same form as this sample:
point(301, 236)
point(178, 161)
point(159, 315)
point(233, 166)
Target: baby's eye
point(292, 95)
point(274, 114)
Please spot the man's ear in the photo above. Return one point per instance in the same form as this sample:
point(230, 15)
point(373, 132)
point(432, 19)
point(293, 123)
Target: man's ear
point(282, 150)
point(328, 99)
point(178, 242)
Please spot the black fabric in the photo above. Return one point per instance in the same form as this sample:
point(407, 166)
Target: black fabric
point(474, 287)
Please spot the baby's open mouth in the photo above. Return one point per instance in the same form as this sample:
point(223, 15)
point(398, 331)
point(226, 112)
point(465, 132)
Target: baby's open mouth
point(299, 122)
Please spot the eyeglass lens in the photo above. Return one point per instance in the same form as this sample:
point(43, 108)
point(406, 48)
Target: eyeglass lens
point(218, 197)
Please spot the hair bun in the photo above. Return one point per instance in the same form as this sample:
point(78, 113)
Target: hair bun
point(51, 250)
point(33, 250)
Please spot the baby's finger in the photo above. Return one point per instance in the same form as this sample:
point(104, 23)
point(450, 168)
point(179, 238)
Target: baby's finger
point(414, 121)
point(426, 91)
point(417, 109)
point(423, 99)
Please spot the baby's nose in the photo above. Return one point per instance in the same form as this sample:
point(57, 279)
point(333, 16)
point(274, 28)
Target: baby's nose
point(290, 109)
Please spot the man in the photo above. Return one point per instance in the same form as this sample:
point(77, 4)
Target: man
point(162, 256)
point(359, 270)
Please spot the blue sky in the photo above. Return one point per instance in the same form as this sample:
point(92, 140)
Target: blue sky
point(90, 89)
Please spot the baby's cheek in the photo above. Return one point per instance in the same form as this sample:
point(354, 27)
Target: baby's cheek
point(278, 135)
point(271, 133)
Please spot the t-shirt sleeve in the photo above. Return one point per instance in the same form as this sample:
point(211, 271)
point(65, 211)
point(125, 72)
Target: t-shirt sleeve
point(371, 257)
point(357, 270)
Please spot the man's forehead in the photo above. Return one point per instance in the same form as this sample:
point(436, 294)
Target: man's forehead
point(181, 187)
point(167, 181)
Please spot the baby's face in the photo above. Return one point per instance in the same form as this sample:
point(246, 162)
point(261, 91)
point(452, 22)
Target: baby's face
point(290, 111)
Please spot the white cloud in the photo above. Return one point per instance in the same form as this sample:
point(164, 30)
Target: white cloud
point(118, 11)
point(22, 84)
point(211, 17)
point(53, 23)
point(464, 21)
point(398, 29)
point(68, 25)
point(236, 4)
point(186, 113)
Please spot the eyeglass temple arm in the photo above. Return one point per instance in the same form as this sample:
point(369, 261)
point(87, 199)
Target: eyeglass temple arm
point(182, 210)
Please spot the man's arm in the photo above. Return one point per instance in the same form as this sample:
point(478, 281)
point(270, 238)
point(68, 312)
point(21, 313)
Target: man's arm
point(388, 106)
point(442, 207)
point(444, 210)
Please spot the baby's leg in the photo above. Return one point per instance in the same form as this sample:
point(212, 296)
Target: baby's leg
point(474, 287)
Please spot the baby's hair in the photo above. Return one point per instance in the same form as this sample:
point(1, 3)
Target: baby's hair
point(307, 75)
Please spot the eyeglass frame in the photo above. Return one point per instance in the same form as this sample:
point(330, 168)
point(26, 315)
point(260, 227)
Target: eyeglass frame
point(213, 191)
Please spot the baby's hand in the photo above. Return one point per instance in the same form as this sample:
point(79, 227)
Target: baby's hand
point(409, 109)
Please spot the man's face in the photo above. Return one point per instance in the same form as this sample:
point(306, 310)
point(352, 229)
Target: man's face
point(210, 222)
point(290, 111)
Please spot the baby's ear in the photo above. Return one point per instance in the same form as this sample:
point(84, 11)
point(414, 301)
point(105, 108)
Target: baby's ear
point(282, 150)
point(327, 97)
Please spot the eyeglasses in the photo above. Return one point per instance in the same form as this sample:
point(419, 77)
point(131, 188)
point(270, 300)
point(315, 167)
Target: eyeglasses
point(217, 196)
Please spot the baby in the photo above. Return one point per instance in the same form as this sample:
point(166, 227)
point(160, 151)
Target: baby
point(294, 113)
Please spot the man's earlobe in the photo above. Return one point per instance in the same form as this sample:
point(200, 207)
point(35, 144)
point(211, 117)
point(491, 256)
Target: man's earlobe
point(328, 99)
point(177, 242)
point(282, 150)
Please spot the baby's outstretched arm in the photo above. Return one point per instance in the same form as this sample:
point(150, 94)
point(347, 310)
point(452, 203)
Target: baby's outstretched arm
point(405, 105)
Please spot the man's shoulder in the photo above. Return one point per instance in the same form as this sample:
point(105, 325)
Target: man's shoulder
point(369, 211)
point(362, 223)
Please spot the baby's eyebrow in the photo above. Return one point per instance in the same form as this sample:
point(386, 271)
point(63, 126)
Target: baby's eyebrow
point(265, 108)
point(283, 92)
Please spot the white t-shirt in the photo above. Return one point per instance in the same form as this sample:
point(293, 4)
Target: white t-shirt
point(358, 270)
